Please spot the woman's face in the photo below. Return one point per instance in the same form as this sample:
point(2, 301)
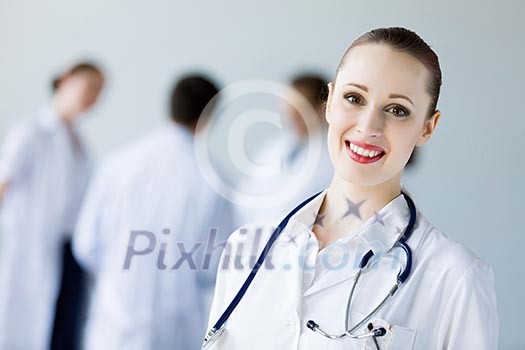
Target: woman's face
point(377, 113)
point(81, 90)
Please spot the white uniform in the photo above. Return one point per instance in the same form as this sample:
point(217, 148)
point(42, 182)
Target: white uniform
point(100, 210)
point(46, 169)
point(294, 153)
point(448, 302)
point(151, 303)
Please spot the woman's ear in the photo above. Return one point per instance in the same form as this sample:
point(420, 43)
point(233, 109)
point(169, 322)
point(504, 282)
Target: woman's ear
point(429, 127)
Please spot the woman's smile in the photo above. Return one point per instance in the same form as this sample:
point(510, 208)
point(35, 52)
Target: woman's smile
point(363, 153)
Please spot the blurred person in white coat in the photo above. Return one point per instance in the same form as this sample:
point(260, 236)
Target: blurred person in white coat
point(43, 174)
point(292, 146)
point(148, 218)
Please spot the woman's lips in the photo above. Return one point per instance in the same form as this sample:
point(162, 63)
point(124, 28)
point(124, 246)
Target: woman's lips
point(363, 159)
point(366, 146)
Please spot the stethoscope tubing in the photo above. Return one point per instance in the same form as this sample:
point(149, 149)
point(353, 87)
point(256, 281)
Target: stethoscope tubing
point(403, 274)
point(240, 294)
point(400, 279)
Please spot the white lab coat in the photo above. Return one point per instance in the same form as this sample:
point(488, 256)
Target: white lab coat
point(150, 306)
point(47, 172)
point(294, 153)
point(448, 302)
point(100, 210)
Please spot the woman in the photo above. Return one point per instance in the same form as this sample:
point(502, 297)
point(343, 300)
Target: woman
point(43, 174)
point(381, 104)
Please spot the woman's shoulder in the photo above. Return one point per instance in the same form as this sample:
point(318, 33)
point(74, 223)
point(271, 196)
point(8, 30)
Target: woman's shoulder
point(450, 258)
point(252, 233)
point(21, 137)
point(24, 128)
point(33, 130)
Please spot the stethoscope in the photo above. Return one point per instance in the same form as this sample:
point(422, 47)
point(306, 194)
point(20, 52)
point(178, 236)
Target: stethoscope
point(218, 328)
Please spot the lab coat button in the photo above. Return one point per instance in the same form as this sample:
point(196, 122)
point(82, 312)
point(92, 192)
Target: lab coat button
point(293, 323)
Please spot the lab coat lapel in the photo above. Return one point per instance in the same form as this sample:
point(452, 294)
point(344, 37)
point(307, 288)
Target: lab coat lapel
point(287, 254)
point(334, 277)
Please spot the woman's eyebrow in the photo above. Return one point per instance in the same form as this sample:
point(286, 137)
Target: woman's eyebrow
point(359, 86)
point(401, 96)
point(364, 88)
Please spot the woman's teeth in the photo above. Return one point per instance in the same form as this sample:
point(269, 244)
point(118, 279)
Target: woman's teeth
point(364, 152)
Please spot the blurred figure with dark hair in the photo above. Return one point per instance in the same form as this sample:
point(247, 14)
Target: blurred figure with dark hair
point(313, 88)
point(293, 147)
point(143, 227)
point(43, 174)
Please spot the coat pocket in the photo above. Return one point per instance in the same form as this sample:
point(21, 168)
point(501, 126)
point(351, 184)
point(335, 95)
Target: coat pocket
point(395, 338)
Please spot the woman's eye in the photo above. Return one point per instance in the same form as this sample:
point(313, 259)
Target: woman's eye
point(354, 99)
point(398, 111)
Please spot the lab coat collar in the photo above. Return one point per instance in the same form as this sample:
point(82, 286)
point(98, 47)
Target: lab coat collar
point(379, 232)
point(179, 131)
point(49, 118)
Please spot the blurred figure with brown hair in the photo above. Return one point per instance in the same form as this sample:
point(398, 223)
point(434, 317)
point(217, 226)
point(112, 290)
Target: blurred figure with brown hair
point(43, 174)
point(304, 131)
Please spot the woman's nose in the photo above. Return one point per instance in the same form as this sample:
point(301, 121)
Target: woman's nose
point(370, 124)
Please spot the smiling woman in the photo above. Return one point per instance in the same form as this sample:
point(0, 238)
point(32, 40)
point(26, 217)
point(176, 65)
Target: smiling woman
point(381, 100)
point(381, 105)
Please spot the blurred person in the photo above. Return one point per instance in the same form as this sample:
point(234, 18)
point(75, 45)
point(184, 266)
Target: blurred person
point(44, 169)
point(293, 146)
point(146, 211)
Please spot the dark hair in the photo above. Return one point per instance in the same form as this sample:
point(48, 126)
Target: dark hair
point(189, 97)
point(77, 68)
point(314, 84)
point(409, 42)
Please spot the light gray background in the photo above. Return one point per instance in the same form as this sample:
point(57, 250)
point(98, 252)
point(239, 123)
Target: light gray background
point(469, 181)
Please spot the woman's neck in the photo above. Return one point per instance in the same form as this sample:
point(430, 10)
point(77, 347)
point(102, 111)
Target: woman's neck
point(347, 206)
point(66, 115)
